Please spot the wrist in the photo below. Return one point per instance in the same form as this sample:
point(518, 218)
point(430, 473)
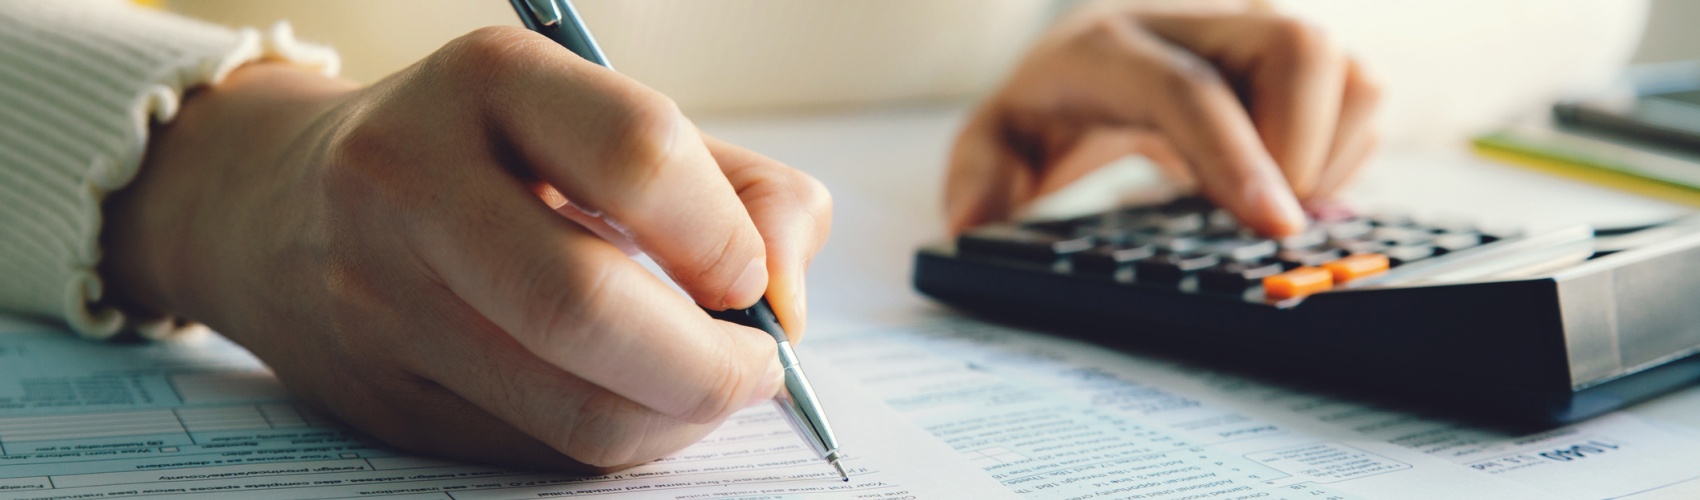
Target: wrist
point(173, 235)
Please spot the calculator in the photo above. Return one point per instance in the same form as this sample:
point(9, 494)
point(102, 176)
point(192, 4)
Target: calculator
point(1490, 324)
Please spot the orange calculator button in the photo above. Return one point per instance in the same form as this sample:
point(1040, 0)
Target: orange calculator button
point(1298, 282)
point(1357, 266)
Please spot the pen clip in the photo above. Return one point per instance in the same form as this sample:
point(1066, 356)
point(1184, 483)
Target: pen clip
point(544, 12)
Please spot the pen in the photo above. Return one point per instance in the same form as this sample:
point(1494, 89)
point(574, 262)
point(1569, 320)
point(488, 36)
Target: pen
point(797, 402)
point(557, 20)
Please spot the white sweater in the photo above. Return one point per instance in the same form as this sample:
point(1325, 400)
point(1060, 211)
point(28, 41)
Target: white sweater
point(81, 81)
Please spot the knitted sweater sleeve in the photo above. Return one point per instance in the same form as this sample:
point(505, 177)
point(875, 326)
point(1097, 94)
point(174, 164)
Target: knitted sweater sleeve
point(81, 82)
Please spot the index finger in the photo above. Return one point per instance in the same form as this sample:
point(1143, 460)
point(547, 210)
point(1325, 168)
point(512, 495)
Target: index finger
point(1198, 111)
point(793, 211)
point(1295, 76)
point(625, 153)
point(580, 304)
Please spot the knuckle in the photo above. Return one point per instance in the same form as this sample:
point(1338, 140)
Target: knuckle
point(797, 191)
point(1103, 28)
point(486, 55)
point(488, 47)
point(1296, 44)
point(1103, 38)
point(816, 199)
point(642, 129)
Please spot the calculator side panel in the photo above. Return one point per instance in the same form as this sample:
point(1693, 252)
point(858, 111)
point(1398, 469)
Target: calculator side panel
point(1633, 309)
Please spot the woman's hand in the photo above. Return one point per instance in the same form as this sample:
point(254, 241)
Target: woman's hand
point(441, 259)
point(1262, 111)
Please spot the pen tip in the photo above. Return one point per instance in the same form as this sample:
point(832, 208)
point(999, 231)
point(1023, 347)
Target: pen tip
point(840, 469)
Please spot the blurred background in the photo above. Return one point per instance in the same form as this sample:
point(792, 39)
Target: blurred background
point(1451, 67)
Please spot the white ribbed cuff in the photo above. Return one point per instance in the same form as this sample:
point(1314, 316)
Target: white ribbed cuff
point(81, 82)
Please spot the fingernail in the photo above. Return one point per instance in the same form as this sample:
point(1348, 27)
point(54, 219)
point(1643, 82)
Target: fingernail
point(749, 285)
point(769, 386)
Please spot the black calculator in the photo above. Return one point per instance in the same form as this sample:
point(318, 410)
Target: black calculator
point(1491, 324)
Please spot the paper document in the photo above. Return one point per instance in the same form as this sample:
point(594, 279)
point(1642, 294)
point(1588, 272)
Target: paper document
point(204, 419)
point(1054, 418)
point(928, 408)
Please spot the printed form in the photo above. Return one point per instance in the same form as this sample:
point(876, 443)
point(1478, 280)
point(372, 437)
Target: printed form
point(969, 411)
point(1055, 418)
point(203, 419)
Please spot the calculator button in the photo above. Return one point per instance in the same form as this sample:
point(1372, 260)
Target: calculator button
point(1013, 242)
point(1351, 230)
point(1143, 221)
point(1298, 282)
point(1105, 234)
point(1355, 247)
point(1236, 276)
point(1177, 243)
point(1333, 212)
point(1394, 233)
point(1170, 268)
point(1452, 242)
point(1243, 250)
point(1391, 219)
point(1357, 266)
point(1222, 221)
point(1450, 226)
point(1181, 224)
point(1311, 238)
point(1293, 259)
point(1492, 234)
point(1402, 255)
point(1401, 236)
point(1107, 259)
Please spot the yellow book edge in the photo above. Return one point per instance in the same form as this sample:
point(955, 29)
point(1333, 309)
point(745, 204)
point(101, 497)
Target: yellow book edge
point(1585, 173)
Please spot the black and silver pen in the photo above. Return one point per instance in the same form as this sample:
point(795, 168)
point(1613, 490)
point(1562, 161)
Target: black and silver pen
point(557, 20)
point(797, 401)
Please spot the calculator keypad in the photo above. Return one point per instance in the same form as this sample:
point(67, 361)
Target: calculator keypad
point(1192, 244)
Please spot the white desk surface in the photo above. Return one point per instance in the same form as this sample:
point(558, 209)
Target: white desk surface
point(885, 169)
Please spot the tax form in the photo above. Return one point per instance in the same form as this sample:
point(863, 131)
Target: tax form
point(204, 419)
point(936, 408)
point(1055, 418)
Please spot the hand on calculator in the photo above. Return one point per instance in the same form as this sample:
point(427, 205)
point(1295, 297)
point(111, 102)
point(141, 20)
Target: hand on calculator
point(1263, 112)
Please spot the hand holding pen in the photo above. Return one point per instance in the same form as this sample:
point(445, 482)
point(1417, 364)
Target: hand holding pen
point(403, 255)
point(558, 20)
